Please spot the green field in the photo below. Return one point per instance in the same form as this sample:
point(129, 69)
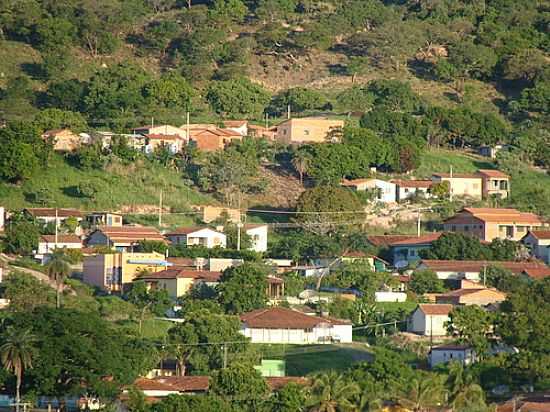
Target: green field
point(441, 160)
point(302, 360)
point(137, 184)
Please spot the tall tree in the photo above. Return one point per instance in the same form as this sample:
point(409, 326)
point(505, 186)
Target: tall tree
point(243, 288)
point(17, 353)
point(58, 270)
point(423, 393)
point(332, 392)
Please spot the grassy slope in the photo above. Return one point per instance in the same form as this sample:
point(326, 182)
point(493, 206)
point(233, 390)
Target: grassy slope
point(137, 184)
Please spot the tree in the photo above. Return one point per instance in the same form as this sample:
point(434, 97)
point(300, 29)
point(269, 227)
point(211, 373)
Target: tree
point(471, 325)
point(394, 95)
point(242, 288)
point(356, 98)
point(156, 300)
point(17, 352)
point(326, 209)
point(425, 281)
point(299, 99)
point(332, 392)
point(237, 97)
point(241, 384)
point(423, 393)
point(60, 119)
point(58, 270)
point(25, 292)
point(464, 393)
point(290, 398)
point(501, 278)
point(300, 162)
point(441, 190)
point(457, 246)
point(22, 237)
point(171, 91)
point(357, 65)
point(472, 60)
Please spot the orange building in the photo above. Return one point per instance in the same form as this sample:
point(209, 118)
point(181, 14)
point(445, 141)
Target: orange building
point(212, 139)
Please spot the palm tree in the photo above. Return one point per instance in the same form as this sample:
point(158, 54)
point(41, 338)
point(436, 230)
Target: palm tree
point(16, 354)
point(331, 392)
point(58, 269)
point(465, 394)
point(423, 393)
point(300, 162)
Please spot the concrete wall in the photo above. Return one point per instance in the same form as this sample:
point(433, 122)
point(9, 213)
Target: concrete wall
point(306, 130)
point(471, 187)
point(464, 356)
point(428, 324)
point(390, 296)
point(259, 238)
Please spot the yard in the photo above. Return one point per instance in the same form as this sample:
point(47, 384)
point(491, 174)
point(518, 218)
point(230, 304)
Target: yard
point(306, 359)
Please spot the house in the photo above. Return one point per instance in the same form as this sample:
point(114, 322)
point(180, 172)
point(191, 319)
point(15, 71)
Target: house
point(123, 238)
point(210, 140)
point(383, 191)
point(104, 219)
point(463, 354)
point(491, 151)
point(209, 214)
point(280, 325)
point(430, 319)
point(461, 184)
point(47, 215)
point(164, 129)
point(114, 272)
point(307, 130)
point(64, 140)
point(374, 263)
point(174, 143)
point(384, 241)
point(220, 264)
point(492, 223)
point(261, 132)
point(310, 270)
point(494, 183)
point(481, 297)
point(538, 241)
point(105, 138)
point(528, 402)
point(176, 281)
point(409, 189)
point(472, 269)
point(407, 251)
point(197, 236)
point(48, 243)
point(258, 236)
point(239, 126)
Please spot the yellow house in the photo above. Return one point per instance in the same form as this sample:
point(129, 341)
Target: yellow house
point(492, 223)
point(461, 184)
point(177, 282)
point(307, 130)
point(114, 272)
point(494, 182)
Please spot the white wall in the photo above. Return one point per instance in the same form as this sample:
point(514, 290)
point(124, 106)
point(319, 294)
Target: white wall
point(428, 324)
point(387, 191)
point(390, 296)
point(46, 247)
point(464, 356)
point(220, 264)
point(259, 238)
point(298, 336)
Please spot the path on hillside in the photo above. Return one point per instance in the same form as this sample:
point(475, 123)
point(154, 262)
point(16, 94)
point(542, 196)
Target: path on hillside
point(42, 277)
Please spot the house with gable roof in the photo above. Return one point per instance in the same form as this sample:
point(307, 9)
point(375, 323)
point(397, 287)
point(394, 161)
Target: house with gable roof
point(538, 241)
point(430, 319)
point(197, 236)
point(123, 238)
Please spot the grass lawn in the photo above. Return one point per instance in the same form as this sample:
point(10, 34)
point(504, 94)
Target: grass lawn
point(137, 184)
point(441, 160)
point(305, 359)
point(152, 328)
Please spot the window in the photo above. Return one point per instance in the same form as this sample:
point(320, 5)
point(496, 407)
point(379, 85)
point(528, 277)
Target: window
point(406, 190)
point(476, 186)
point(412, 252)
point(306, 132)
point(453, 228)
point(466, 228)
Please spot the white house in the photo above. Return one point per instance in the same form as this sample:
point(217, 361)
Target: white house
point(384, 191)
point(449, 353)
point(429, 319)
point(47, 243)
point(239, 126)
point(407, 189)
point(258, 236)
point(196, 236)
point(281, 325)
point(163, 129)
point(538, 241)
point(384, 296)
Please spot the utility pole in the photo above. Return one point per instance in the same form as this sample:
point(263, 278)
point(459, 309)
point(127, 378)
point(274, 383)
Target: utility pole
point(160, 208)
point(224, 356)
point(288, 112)
point(56, 220)
point(239, 225)
point(451, 185)
point(418, 224)
point(267, 120)
point(188, 127)
point(152, 122)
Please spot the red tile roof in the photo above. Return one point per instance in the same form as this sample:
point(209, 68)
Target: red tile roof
point(235, 123)
point(50, 212)
point(174, 384)
point(355, 182)
point(418, 240)
point(537, 273)
point(122, 234)
point(275, 280)
point(163, 137)
point(386, 240)
point(413, 183)
point(175, 273)
point(493, 173)
point(181, 262)
point(436, 309)
point(61, 239)
point(479, 265)
point(282, 318)
point(541, 234)
point(496, 215)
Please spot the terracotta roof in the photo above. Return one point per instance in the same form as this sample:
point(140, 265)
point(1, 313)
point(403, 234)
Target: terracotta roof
point(235, 123)
point(250, 226)
point(60, 239)
point(179, 261)
point(174, 383)
point(496, 215)
point(540, 234)
point(163, 137)
point(175, 273)
point(527, 403)
point(470, 291)
point(418, 240)
point(282, 318)
point(277, 382)
point(131, 233)
point(537, 273)
point(354, 182)
point(413, 183)
point(451, 347)
point(216, 131)
point(145, 384)
point(493, 173)
point(188, 230)
point(386, 240)
point(275, 280)
point(436, 309)
point(478, 265)
point(50, 212)
point(457, 175)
